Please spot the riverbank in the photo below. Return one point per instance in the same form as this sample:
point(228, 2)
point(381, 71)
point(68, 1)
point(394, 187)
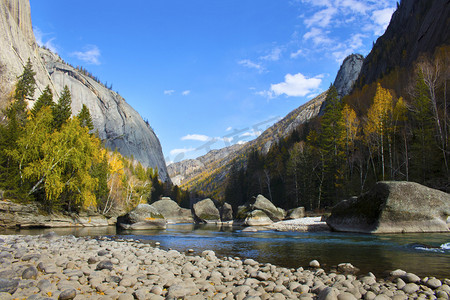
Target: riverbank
point(84, 268)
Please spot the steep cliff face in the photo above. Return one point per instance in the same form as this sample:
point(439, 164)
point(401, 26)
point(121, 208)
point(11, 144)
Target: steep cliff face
point(348, 73)
point(118, 124)
point(418, 26)
point(17, 44)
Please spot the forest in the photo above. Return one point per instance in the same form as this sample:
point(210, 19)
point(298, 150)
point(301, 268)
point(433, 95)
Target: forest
point(57, 160)
point(394, 129)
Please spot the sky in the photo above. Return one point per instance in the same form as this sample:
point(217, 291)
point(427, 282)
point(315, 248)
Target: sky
point(210, 73)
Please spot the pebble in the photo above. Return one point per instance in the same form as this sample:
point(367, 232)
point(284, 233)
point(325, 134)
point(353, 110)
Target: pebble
point(83, 268)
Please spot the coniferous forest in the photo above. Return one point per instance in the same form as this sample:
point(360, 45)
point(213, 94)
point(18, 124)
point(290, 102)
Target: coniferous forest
point(396, 128)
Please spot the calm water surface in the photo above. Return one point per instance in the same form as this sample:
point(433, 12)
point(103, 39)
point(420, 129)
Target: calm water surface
point(422, 254)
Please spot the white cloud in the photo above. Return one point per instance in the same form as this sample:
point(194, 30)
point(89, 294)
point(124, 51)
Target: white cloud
point(381, 18)
point(90, 55)
point(318, 36)
point(181, 151)
point(241, 142)
point(186, 92)
point(39, 35)
point(228, 128)
point(250, 64)
point(350, 46)
point(169, 92)
point(195, 137)
point(296, 85)
point(321, 18)
point(274, 55)
point(296, 53)
point(355, 6)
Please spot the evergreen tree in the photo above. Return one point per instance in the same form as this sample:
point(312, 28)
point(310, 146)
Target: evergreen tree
point(26, 83)
point(62, 110)
point(84, 116)
point(46, 99)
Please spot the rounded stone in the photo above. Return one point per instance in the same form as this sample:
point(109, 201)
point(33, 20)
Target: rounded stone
point(314, 264)
point(30, 273)
point(102, 252)
point(104, 265)
point(126, 297)
point(346, 296)
point(411, 278)
point(433, 283)
point(67, 294)
point(410, 288)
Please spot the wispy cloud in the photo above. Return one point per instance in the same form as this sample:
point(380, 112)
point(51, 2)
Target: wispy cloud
point(321, 18)
point(90, 55)
point(253, 133)
point(229, 128)
point(169, 92)
point(175, 152)
point(296, 85)
point(274, 55)
point(40, 36)
point(318, 36)
point(296, 53)
point(250, 64)
point(195, 137)
point(185, 93)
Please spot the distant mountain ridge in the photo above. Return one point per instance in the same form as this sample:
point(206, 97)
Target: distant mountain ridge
point(118, 124)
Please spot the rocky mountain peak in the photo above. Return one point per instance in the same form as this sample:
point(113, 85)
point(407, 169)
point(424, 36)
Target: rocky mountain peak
point(348, 73)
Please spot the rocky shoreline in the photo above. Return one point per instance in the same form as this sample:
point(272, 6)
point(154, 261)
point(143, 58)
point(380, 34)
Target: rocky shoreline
point(65, 267)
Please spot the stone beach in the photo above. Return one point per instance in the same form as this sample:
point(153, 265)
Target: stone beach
point(65, 267)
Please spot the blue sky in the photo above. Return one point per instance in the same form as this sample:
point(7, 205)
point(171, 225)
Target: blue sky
point(207, 74)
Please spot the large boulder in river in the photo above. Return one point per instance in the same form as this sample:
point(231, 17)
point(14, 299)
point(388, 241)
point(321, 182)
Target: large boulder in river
point(206, 212)
point(172, 212)
point(262, 203)
point(393, 207)
point(257, 218)
point(226, 212)
point(144, 216)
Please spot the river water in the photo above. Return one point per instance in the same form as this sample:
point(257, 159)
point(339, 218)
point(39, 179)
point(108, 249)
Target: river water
point(422, 254)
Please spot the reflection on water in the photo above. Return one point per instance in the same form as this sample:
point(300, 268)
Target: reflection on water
point(376, 253)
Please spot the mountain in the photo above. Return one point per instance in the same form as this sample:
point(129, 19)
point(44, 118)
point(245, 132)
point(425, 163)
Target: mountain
point(348, 73)
point(208, 173)
point(416, 27)
point(118, 124)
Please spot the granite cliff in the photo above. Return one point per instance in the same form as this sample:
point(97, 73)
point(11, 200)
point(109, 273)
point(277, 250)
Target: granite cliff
point(118, 124)
point(348, 73)
point(416, 27)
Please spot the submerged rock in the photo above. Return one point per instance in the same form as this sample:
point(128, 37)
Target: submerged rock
point(393, 207)
point(144, 216)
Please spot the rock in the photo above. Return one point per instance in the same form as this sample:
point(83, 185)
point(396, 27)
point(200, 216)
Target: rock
point(144, 216)
point(102, 252)
point(68, 294)
point(206, 212)
point(8, 285)
point(410, 288)
point(30, 273)
point(433, 283)
point(296, 213)
point(398, 273)
point(104, 265)
point(348, 73)
point(314, 264)
point(262, 203)
point(393, 207)
point(226, 212)
point(327, 294)
point(5, 296)
point(347, 268)
point(44, 285)
point(172, 212)
point(257, 218)
point(411, 278)
point(346, 296)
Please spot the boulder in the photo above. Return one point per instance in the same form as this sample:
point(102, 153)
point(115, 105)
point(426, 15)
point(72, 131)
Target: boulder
point(172, 212)
point(206, 212)
point(257, 218)
point(262, 203)
point(226, 212)
point(144, 216)
point(296, 213)
point(393, 207)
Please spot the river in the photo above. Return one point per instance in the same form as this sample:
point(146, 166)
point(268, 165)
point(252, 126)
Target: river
point(422, 254)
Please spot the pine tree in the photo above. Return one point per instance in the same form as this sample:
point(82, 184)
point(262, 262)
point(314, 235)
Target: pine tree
point(46, 99)
point(84, 116)
point(26, 83)
point(62, 110)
